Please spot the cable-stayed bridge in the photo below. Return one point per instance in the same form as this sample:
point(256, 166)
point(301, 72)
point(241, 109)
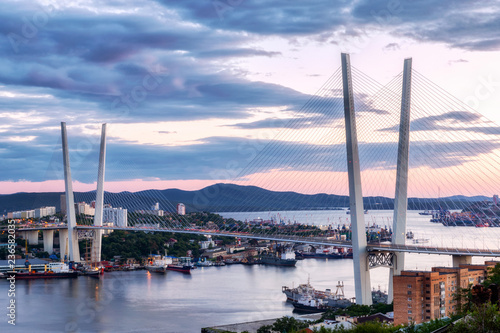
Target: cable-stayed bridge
point(453, 151)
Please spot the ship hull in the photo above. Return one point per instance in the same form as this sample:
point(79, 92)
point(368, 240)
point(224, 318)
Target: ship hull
point(41, 275)
point(159, 270)
point(306, 308)
point(278, 262)
point(178, 268)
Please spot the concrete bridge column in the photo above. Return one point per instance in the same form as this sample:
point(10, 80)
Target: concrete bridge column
point(63, 244)
point(32, 237)
point(464, 260)
point(48, 241)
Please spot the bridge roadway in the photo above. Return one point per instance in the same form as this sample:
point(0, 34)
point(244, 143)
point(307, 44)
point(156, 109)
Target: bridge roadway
point(371, 247)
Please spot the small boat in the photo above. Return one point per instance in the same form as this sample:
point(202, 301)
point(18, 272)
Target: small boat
point(420, 241)
point(409, 235)
point(232, 261)
point(203, 262)
point(310, 304)
point(426, 212)
point(91, 271)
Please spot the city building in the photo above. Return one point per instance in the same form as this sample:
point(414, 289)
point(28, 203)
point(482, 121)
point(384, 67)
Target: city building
point(84, 208)
point(181, 209)
point(156, 206)
point(420, 296)
point(158, 212)
point(117, 216)
point(25, 214)
point(44, 211)
point(63, 203)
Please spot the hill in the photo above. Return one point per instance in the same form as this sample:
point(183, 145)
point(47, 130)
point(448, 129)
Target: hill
point(224, 197)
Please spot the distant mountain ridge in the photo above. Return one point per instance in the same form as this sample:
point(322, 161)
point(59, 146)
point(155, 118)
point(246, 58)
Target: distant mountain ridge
point(224, 197)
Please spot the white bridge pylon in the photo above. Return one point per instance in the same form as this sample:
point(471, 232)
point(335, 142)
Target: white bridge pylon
point(359, 244)
point(69, 239)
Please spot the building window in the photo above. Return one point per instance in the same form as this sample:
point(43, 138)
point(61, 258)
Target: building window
point(409, 286)
point(409, 299)
point(409, 305)
point(409, 311)
point(409, 292)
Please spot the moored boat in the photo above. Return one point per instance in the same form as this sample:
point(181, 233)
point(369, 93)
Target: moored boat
point(52, 271)
point(302, 295)
point(158, 264)
point(286, 258)
point(183, 265)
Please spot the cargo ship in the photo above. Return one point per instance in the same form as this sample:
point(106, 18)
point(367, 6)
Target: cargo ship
point(158, 264)
point(183, 265)
point(53, 270)
point(287, 258)
point(305, 297)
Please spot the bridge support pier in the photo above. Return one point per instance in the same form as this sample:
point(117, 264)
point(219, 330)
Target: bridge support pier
point(360, 255)
point(461, 260)
point(63, 244)
point(48, 241)
point(32, 237)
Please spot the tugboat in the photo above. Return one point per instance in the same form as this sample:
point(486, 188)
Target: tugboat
point(204, 263)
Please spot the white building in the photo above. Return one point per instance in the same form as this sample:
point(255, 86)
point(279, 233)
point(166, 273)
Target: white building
point(117, 216)
point(156, 206)
point(27, 214)
point(84, 208)
point(181, 209)
point(45, 211)
point(150, 212)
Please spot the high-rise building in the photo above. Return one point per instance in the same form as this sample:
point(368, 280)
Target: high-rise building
point(63, 203)
point(420, 296)
point(181, 209)
point(44, 211)
point(117, 216)
point(84, 208)
point(156, 206)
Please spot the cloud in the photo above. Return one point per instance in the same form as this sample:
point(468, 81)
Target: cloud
point(392, 47)
point(445, 122)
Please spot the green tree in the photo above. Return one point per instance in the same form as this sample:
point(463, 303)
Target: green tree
point(493, 276)
point(288, 324)
point(483, 318)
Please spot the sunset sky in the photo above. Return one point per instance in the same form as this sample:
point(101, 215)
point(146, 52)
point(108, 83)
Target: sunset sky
point(193, 90)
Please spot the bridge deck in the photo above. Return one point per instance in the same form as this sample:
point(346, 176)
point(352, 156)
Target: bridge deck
point(387, 247)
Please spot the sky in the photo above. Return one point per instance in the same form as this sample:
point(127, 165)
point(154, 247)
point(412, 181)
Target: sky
point(197, 92)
